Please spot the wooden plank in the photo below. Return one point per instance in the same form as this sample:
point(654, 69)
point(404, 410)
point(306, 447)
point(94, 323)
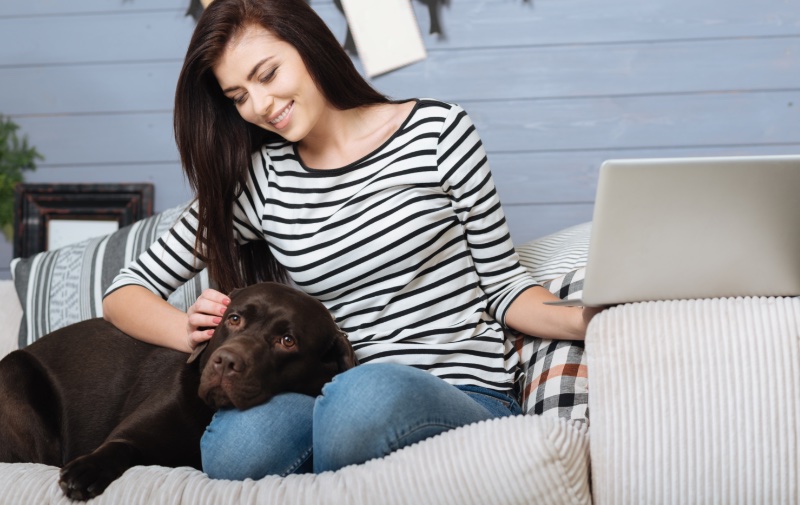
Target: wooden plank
point(528, 222)
point(38, 8)
point(625, 69)
point(527, 178)
point(94, 38)
point(733, 65)
point(476, 24)
point(102, 140)
point(625, 123)
point(703, 119)
point(123, 36)
point(89, 88)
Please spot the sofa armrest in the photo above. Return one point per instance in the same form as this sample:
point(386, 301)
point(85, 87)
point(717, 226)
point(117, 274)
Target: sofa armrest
point(696, 401)
point(10, 318)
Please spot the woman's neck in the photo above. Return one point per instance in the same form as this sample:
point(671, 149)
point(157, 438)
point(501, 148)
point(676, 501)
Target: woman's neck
point(341, 137)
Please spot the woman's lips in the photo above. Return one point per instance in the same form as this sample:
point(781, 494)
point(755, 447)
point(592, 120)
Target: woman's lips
point(281, 119)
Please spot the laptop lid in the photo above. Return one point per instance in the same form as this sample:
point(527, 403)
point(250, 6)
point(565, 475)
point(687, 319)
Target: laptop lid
point(684, 228)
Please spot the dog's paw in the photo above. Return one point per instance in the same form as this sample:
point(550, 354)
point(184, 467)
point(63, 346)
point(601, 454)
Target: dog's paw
point(86, 477)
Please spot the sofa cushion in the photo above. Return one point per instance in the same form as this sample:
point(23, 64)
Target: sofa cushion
point(696, 401)
point(64, 286)
point(515, 459)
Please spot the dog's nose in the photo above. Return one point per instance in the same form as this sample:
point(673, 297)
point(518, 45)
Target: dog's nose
point(227, 363)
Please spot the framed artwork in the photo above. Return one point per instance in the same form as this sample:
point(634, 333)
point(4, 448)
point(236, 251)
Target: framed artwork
point(49, 216)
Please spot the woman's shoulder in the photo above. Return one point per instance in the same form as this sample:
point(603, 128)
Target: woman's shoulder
point(435, 104)
point(440, 110)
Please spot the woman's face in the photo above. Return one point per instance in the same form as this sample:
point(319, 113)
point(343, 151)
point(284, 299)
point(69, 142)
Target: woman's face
point(269, 84)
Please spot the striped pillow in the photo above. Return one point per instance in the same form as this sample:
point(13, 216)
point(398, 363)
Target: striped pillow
point(556, 254)
point(64, 286)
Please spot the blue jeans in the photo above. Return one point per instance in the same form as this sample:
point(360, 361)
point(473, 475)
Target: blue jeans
point(367, 412)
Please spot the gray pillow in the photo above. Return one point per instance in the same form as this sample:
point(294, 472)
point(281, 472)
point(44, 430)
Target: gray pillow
point(61, 287)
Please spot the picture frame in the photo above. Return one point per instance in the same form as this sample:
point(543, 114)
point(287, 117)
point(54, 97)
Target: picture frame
point(49, 216)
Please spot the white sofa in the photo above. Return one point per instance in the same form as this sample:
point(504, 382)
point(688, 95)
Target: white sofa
point(691, 402)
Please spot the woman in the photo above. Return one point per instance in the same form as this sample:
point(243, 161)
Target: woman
point(385, 211)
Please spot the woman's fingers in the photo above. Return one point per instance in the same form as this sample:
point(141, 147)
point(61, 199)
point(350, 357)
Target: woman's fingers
point(210, 302)
point(204, 315)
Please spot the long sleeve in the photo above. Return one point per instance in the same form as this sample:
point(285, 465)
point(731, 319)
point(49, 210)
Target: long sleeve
point(467, 179)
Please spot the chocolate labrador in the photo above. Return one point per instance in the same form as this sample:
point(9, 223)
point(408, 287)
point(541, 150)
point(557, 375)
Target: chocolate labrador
point(97, 401)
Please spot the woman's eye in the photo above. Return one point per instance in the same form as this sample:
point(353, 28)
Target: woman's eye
point(239, 100)
point(287, 341)
point(268, 76)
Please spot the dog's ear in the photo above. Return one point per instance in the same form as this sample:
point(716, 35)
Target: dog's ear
point(346, 355)
point(197, 352)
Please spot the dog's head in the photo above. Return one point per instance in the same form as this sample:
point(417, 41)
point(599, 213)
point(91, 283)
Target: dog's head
point(272, 339)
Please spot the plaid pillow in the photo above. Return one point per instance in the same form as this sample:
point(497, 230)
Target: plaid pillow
point(64, 286)
point(553, 372)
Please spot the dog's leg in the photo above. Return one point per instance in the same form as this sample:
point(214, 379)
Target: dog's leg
point(166, 433)
point(29, 409)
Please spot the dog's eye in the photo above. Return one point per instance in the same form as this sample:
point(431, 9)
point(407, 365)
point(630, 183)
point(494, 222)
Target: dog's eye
point(287, 341)
point(235, 319)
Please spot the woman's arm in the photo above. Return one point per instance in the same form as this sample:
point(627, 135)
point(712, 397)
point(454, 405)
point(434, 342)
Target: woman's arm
point(135, 302)
point(146, 316)
point(528, 314)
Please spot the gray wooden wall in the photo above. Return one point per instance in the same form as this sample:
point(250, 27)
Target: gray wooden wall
point(554, 86)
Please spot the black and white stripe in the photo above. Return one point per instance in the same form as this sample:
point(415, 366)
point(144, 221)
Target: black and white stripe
point(408, 247)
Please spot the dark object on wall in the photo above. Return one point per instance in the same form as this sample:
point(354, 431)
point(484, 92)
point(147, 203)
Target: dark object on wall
point(195, 9)
point(40, 210)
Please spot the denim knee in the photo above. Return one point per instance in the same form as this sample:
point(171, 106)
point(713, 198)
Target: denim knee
point(374, 409)
point(269, 439)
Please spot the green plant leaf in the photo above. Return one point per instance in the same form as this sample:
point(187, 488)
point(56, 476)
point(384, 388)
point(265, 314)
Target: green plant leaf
point(16, 156)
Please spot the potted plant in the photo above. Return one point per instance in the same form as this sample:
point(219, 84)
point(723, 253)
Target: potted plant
point(15, 156)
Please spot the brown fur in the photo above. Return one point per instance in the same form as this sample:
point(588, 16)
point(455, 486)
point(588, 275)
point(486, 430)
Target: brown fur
point(97, 401)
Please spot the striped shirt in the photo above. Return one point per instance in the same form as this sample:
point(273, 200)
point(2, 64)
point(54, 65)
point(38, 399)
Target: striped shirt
point(408, 247)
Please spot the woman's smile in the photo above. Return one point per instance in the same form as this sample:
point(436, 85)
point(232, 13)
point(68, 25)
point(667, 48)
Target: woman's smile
point(282, 119)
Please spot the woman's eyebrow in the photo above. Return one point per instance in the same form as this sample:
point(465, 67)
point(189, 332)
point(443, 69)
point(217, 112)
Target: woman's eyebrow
point(250, 75)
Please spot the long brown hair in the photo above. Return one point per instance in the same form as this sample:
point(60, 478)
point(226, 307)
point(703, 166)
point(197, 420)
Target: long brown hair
point(216, 144)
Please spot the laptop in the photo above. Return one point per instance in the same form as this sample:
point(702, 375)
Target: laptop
point(685, 228)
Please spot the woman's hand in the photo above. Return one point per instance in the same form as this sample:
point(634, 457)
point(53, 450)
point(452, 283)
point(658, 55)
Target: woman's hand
point(204, 315)
point(528, 314)
point(588, 313)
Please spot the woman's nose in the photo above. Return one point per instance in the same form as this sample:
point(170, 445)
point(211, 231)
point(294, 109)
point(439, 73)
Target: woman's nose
point(262, 103)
